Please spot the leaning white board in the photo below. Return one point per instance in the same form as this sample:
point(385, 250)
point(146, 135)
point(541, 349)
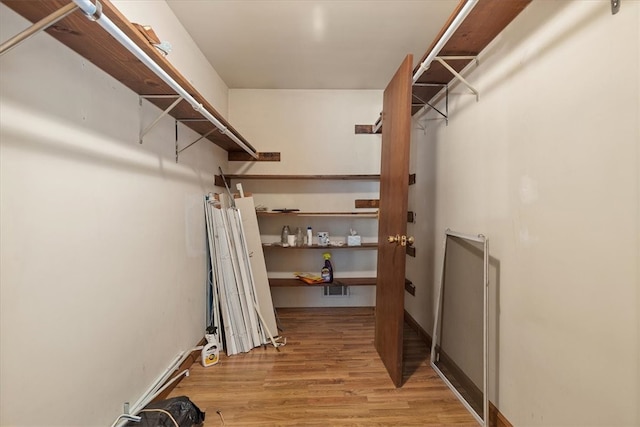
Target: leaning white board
point(252, 234)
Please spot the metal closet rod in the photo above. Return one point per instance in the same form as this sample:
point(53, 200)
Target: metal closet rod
point(42, 24)
point(460, 17)
point(94, 13)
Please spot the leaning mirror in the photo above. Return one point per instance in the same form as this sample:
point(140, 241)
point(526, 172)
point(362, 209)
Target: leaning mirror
point(459, 350)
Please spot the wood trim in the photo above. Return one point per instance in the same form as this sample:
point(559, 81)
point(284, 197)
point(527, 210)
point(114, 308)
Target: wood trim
point(241, 156)
point(367, 203)
point(186, 364)
point(496, 418)
point(363, 129)
point(413, 323)
point(219, 182)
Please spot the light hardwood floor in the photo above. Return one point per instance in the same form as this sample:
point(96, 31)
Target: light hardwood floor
point(328, 374)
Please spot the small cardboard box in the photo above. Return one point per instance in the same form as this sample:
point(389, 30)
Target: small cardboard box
point(354, 241)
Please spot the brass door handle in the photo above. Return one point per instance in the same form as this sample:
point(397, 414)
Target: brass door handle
point(403, 240)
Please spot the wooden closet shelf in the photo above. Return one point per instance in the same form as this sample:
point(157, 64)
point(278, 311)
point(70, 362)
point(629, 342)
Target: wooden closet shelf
point(91, 41)
point(361, 177)
point(487, 19)
point(345, 281)
point(370, 214)
point(328, 248)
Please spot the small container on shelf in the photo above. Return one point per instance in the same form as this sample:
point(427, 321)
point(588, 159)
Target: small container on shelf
point(299, 237)
point(284, 236)
point(309, 236)
point(327, 269)
point(353, 239)
point(323, 238)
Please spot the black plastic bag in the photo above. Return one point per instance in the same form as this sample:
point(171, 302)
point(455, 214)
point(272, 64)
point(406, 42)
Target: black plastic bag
point(175, 412)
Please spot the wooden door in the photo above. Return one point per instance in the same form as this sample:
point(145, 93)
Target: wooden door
point(394, 186)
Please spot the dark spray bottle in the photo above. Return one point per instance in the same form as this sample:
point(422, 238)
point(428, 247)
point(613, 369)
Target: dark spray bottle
point(327, 270)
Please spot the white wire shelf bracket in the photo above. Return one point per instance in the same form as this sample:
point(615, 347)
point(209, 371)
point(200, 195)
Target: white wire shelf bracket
point(166, 111)
point(445, 64)
point(180, 150)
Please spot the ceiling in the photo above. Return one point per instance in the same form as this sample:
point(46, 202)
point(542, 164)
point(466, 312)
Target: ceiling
point(311, 44)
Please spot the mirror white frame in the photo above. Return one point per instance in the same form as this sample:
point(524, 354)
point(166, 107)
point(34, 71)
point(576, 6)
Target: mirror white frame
point(483, 418)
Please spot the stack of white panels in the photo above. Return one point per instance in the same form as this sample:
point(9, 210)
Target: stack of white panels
point(234, 296)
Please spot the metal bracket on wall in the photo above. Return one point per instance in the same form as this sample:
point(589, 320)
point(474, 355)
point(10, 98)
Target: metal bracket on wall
point(425, 104)
point(146, 130)
point(178, 151)
point(411, 251)
point(615, 6)
point(441, 60)
point(409, 287)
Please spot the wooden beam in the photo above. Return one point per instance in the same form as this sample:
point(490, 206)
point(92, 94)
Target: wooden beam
point(241, 156)
point(218, 181)
point(497, 419)
point(367, 203)
point(413, 324)
point(363, 129)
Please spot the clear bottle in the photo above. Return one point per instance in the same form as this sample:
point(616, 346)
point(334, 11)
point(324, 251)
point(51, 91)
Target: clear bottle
point(299, 237)
point(284, 237)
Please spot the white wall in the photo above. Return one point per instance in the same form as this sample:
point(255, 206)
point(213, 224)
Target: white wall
point(102, 239)
point(314, 132)
point(547, 166)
